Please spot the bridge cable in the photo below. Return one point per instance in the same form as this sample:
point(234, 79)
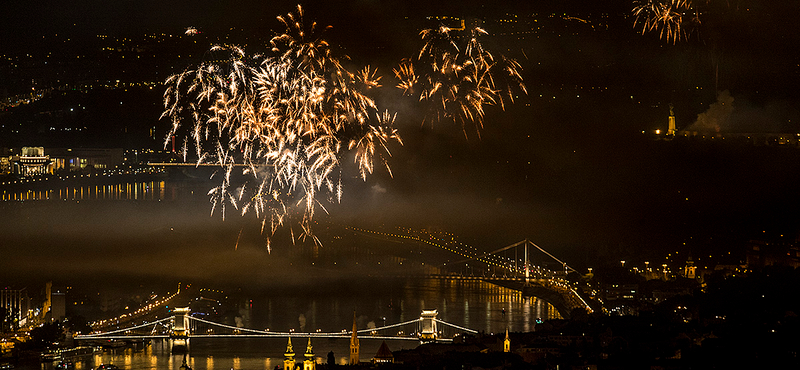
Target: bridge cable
point(131, 328)
point(386, 327)
point(468, 330)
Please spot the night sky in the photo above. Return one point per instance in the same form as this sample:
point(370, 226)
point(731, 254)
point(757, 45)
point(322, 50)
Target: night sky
point(566, 167)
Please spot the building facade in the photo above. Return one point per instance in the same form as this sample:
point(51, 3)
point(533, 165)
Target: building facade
point(16, 301)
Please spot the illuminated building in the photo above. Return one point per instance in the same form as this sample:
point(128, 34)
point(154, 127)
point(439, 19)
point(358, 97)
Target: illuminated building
point(86, 158)
point(17, 302)
point(288, 356)
point(55, 304)
point(507, 343)
point(310, 363)
point(31, 161)
point(384, 355)
point(690, 270)
point(354, 345)
point(5, 165)
point(58, 305)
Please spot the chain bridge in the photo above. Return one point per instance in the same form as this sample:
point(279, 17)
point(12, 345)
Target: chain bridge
point(184, 326)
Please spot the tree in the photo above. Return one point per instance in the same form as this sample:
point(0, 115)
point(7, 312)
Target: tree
point(46, 335)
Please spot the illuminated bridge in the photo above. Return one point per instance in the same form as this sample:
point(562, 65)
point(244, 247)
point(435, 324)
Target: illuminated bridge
point(183, 326)
point(509, 266)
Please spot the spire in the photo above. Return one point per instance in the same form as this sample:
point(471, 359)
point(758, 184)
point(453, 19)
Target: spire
point(507, 343)
point(355, 347)
point(288, 357)
point(309, 350)
point(289, 350)
point(310, 363)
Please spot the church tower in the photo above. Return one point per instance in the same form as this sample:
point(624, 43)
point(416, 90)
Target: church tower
point(507, 343)
point(288, 357)
point(354, 345)
point(310, 363)
point(690, 270)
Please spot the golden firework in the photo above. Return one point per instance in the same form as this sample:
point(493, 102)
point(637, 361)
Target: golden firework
point(454, 77)
point(277, 126)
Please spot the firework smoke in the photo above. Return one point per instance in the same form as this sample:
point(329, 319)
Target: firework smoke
point(284, 122)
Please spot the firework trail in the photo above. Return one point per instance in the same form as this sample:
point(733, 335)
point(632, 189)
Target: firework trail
point(282, 123)
point(454, 77)
point(667, 16)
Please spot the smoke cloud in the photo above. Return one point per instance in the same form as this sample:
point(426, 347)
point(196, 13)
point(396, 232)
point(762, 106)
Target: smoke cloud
point(716, 117)
point(729, 115)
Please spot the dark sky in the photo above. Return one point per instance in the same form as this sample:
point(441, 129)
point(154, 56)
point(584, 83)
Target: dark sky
point(572, 172)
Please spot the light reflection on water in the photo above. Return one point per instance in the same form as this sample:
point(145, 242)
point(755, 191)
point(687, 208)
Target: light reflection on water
point(477, 305)
point(148, 190)
point(473, 304)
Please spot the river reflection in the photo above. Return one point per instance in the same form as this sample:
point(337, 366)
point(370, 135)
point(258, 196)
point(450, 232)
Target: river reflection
point(308, 307)
point(473, 304)
point(147, 190)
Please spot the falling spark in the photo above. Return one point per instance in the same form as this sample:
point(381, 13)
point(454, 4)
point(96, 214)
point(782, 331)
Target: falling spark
point(455, 78)
point(667, 16)
point(236, 247)
point(277, 126)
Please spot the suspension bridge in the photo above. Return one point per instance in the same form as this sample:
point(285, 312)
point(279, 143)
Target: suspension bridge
point(183, 326)
point(509, 266)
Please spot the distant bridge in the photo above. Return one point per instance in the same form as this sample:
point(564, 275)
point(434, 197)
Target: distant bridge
point(515, 272)
point(183, 326)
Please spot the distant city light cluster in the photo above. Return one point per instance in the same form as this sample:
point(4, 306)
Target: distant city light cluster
point(129, 315)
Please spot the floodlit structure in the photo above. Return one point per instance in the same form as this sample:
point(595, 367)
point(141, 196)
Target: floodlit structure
point(31, 161)
point(310, 363)
point(17, 302)
point(180, 325)
point(384, 355)
point(288, 356)
point(427, 323)
point(355, 347)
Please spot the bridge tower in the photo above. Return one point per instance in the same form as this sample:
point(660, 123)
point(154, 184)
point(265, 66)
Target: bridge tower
point(355, 347)
point(288, 357)
point(527, 265)
point(180, 323)
point(180, 330)
point(427, 322)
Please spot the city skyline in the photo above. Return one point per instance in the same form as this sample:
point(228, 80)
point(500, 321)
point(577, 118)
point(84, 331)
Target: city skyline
point(568, 165)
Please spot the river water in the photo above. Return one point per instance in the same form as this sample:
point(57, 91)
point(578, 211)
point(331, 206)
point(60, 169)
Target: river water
point(308, 307)
point(476, 305)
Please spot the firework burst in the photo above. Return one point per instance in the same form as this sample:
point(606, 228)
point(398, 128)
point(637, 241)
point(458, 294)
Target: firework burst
point(277, 127)
point(666, 16)
point(454, 77)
